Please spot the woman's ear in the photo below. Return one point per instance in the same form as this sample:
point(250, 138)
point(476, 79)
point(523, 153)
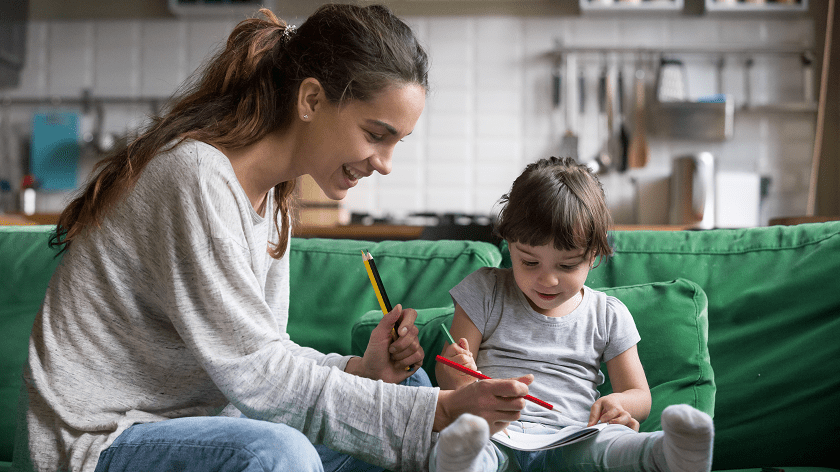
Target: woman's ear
point(310, 97)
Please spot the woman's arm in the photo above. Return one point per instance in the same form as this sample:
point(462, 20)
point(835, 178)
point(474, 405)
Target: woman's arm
point(629, 404)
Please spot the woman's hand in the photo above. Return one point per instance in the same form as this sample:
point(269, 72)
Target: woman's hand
point(499, 401)
point(461, 354)
point(388, 359)
point(609, 409)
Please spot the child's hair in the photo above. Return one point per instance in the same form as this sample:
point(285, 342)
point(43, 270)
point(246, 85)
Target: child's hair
point(249, 89)
point(559, 200)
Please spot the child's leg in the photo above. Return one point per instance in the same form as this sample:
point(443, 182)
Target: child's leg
point(683, 445)
point(688, 439)
point(464, 446)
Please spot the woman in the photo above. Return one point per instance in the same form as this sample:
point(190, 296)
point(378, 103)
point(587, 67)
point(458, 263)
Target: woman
point(161, 343)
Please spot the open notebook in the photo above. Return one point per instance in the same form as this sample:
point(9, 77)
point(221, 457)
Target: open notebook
point(541, 442)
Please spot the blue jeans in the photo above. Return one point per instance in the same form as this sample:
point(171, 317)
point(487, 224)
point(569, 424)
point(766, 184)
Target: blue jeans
point(210, 443)
point(223, 444)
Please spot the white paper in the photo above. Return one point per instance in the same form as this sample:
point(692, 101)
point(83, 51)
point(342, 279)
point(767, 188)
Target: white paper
point(541, 442)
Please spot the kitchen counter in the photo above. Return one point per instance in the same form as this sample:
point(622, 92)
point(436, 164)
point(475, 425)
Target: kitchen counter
point(375, 232)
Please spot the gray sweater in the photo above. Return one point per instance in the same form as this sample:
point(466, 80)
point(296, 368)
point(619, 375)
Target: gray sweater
point(174, 308)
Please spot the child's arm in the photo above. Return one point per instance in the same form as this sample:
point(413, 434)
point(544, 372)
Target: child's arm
point(468, 338)
point(629, 404)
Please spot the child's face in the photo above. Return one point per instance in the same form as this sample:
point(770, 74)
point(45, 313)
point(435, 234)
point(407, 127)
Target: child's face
point(550, 278)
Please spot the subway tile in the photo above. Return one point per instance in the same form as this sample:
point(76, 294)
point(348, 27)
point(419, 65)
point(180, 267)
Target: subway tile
point(400, 200)
point(506, 101)
point(204, 38)
point(35, 74)
point(496, 175)
point(450, 41)
point(444, 199)
point(441, 101)
point(117, 58)
point(457, 77)
point(163, 57)
point(491, 152)
point(443, 150)
point(445, 174)
point(70, 52)
point(496, 125)
point(443, 125)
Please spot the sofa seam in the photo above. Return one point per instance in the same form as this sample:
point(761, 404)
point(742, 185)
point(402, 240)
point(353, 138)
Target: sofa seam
point(739, 251)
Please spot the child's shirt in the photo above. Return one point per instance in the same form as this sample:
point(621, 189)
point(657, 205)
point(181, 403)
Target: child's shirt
point(564, 354)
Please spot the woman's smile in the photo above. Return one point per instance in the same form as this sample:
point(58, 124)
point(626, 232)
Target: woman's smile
point(352, 174)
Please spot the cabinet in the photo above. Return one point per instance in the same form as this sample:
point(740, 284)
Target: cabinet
point(630, 5)
point(756, 6)
point(218, 7)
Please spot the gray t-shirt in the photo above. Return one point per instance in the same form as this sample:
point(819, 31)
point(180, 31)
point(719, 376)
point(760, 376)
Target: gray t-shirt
point(564, 354)
point(173, 307)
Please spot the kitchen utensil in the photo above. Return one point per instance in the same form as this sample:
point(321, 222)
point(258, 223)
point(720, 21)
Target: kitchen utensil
point(638, 153)
point(54, 152)
point(693, 191)
point(569, 142)
point(623, 135)
point(670, 84)
point(603, 159)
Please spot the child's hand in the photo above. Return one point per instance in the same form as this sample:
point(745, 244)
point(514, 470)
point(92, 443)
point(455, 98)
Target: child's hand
point(461, 354)
point(609, 409)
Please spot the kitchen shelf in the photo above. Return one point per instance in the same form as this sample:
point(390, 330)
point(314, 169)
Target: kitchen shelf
point(768, 6)
point(631, 5)
point(793, 107)
point(217, 7)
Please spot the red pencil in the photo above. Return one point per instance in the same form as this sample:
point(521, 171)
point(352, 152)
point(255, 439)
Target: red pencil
point(481, 376)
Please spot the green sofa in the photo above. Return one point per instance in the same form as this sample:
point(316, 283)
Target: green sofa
point(743, 324)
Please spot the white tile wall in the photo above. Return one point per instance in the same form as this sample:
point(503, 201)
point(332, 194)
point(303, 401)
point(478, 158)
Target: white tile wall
point(489, 111)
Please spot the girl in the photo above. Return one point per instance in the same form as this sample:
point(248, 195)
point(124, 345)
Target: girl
point(538, 317)
point(161, 343)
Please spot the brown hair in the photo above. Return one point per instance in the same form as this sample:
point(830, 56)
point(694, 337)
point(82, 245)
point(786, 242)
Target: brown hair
point(559, 200)
point(249, 88)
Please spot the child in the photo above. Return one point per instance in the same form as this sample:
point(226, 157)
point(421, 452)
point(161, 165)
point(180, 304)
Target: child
point(539, 318)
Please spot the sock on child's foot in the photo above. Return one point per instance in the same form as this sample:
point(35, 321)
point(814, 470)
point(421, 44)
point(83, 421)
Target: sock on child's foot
point(460, 443)
point(688, 437)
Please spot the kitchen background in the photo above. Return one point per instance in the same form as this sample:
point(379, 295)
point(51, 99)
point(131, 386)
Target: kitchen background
point(511, 82)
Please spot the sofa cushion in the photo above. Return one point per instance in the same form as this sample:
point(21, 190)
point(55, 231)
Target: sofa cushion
point(26, 265)
point(671, 318)
point(774, 325)
point(330, 288)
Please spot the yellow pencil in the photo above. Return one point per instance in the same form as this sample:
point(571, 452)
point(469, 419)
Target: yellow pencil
point(379, 288)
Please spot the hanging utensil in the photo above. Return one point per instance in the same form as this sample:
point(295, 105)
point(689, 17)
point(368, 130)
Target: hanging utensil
point(623, 135)
point(569, 143)
point(638, 153)
point(604, 158)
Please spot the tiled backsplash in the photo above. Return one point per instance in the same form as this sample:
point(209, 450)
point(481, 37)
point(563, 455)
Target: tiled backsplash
point(490, 108)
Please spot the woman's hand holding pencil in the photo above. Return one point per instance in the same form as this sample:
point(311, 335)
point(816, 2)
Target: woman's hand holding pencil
point(393, 352)
point(387, 359)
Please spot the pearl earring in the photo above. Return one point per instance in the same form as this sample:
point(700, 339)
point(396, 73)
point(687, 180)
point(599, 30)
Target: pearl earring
point(305, 117)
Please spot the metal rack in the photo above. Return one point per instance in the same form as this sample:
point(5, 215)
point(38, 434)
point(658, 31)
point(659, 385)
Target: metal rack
point(650, 56)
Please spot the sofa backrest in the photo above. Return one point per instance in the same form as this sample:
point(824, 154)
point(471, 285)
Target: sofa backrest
point(330, 288)
point(26, 265)
point(774, 332)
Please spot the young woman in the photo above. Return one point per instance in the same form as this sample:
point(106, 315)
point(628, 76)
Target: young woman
point(161, 343)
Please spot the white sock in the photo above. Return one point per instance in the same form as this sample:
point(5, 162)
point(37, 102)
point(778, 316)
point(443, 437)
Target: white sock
point(460, 444)
point(687, 442)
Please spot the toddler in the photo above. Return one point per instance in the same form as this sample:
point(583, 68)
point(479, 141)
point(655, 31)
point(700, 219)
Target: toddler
point(539, 318)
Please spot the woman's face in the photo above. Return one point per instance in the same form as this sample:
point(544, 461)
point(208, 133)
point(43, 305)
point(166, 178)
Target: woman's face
point(358, 137)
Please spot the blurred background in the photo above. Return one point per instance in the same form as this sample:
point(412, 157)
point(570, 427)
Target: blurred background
point(696, 114)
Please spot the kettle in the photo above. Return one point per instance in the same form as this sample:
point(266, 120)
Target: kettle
point(692, 201)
